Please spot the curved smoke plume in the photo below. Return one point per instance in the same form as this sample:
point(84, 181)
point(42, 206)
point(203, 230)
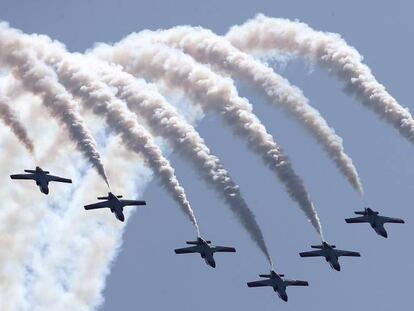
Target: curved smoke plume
point(41, 80)
point(164, 120)
point(140, 57)
point(207, 47)
point(268, 35)
point(95, 95)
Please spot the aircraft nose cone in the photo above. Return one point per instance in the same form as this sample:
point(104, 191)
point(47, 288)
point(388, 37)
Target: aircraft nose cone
point(284, 298)
point(212, 263)
point(384, 234)
point(46, 190)
point(337, 267)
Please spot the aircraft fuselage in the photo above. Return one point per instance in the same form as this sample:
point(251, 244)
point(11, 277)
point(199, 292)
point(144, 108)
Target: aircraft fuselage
point(207, 254)
point(116, 208)
point(279, 287)
point(378, 226)
point(41, 181)
point(332, 258)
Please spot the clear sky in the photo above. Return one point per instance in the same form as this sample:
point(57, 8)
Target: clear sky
point(147, 275)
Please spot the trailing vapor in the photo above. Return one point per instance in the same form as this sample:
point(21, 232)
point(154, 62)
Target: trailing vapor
point(207, 47)
point(140, 57)
point(266, 35)
point(36, 77)
point(98, 97)
point(163, 120)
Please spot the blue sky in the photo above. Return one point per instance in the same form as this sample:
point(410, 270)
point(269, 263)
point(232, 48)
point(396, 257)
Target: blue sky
point(147, 275)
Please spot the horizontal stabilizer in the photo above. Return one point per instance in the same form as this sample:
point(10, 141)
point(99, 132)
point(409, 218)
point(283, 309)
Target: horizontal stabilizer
point(103, 198)
point(265, 275)
point(30, 171)
point(192, 242)
point(360, 213)
point(119, 196)
point(316, 246)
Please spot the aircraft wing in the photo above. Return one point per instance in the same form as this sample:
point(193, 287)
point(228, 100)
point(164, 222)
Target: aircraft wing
point(58, 179)
point(347, 253)
point(102, 204)
point(132, 202)
point(186, 250)
point(260, 283)
point(312, 254)
point(392, 220)
point(295, 283)
point(23, 176)
point(355, 220)
point(223, 249)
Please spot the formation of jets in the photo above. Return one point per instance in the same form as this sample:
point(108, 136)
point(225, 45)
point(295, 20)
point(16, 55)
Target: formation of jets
point(205, 248)
point(113, 202)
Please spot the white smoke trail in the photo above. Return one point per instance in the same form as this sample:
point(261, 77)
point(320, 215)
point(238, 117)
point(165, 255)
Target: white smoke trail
point(41, 80)
point(25, 211)
point(162, 118)
point(268, 35)
point(73, 74)
point(207, 47)
point(10, 118)
point(71, 276)
point(140, 57)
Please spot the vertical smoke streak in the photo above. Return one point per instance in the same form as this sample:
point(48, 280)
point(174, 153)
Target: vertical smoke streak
point(207, 47)
point(10, 118)
point(39, 79)
point(270, 35)
point(95, 95)
point(164, 120)
point(213, 92)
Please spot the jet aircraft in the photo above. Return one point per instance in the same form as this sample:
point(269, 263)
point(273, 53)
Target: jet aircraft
point(330, 253)
point(205, 249)
point(375, 220)
point(41, 177)
point(114, 203)
point(278, 283)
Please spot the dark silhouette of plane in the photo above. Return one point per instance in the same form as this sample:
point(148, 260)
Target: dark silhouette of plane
point(206, 250)
point(375, 220)
point(278, 283)
point(114, 203)
point(41, 177)
point(330, 253)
